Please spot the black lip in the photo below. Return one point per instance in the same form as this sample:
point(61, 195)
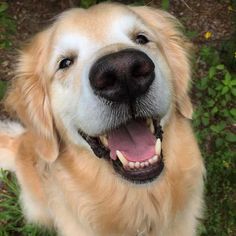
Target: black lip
point(137, 176)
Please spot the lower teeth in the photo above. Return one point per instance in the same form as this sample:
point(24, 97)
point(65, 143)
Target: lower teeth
point(138, 165)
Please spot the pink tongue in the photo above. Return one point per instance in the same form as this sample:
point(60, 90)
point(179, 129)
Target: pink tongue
point(135, 141)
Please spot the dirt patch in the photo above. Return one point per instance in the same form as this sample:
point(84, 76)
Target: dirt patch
point(205, 16)
point(199, 17)
point(30, 17)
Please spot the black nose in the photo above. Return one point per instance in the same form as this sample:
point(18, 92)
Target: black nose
point(122, 76)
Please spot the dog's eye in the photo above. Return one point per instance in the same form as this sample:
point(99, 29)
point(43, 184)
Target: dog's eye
point(65, 63)
point(141, 39)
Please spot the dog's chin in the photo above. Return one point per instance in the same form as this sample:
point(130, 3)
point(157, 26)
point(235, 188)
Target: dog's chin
point(133, 149)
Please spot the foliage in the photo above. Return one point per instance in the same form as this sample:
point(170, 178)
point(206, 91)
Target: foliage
point(214, 122)
point(11, 220)
point(165, 4)
point(88, 3)
point(7, 26)
point(228, 51)
point(3, 87)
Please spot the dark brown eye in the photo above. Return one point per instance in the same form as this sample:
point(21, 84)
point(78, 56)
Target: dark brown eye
point(65, 63)
point(141, 39)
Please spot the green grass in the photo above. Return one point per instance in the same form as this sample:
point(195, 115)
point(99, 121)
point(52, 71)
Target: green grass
point(214, 119)
point(12, 221)
point(7, 26)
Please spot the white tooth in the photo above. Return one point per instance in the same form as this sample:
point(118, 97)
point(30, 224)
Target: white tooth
point(155, 158)
point(121, 158)
point(146, 163)
point(158, 147)
point(150, 125)
point(131, 165)
point(137, 164)
point(142, 164)
point(151, 161)
point(104, 140)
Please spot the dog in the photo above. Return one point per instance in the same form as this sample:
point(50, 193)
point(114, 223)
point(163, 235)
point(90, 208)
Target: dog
point(102, 143)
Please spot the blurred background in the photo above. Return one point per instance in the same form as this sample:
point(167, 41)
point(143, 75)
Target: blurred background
point(211, 26)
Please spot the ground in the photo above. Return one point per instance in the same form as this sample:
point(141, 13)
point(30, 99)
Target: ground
point(199, 17)
point(207, 23)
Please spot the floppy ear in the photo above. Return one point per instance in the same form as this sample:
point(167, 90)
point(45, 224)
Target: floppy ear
point(175, 48)
point(28, 96)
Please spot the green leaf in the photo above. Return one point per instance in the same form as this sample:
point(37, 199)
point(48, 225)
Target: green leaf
point(217, 128)
point(205, 121)
point(212, 72)
point(211, 103)
point(233, 82)
point(230, 137)
point(233, 91)
point(227, 76)
point(191, 34)
point(211, 92)
point(214, 110)
point(220, 67)
point(219, 142)
point(87, 3)
point(3, 86)
point(233, 112)
point(165, 4)
point(202, 85)
point(3, 7)
point(224, 90)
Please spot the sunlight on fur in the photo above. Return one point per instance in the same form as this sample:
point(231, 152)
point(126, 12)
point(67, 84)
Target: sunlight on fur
point(89, 81)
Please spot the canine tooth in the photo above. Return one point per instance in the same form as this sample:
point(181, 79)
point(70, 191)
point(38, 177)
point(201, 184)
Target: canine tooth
point(137, 164)
point(148, 121)
point(131, 165)
point(150, 125)
point(158, 147)
point(121, 158)
point(155, 158)
point(104, 140)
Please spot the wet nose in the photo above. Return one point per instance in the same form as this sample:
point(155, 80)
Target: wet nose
point(122, 76)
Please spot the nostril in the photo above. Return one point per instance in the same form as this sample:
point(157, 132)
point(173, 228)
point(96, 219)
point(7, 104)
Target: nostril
point(104, 80)
point(142, 69)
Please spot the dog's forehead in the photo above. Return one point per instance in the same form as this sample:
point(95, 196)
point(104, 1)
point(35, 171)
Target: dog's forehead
point(98, 20)
point(94, 27)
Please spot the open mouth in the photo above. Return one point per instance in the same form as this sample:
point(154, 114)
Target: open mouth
point(133, 149)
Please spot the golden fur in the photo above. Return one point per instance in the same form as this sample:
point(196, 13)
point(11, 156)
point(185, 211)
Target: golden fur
point(62, 183)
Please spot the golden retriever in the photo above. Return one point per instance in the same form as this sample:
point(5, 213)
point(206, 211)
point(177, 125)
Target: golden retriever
point(104, 144)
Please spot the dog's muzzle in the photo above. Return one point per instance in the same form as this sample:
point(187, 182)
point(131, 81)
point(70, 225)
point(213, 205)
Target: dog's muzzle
point(134, 146)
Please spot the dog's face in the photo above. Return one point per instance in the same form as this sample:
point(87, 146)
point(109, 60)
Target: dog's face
point(110, 82)
point(110, 78)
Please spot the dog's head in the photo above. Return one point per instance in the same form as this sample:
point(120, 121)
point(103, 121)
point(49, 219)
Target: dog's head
point(107, 78)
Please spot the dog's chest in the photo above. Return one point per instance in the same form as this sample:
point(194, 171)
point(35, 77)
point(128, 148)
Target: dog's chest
point(120, 218)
